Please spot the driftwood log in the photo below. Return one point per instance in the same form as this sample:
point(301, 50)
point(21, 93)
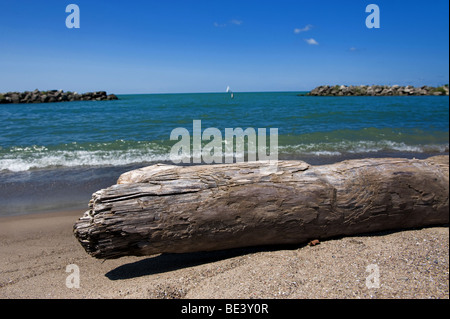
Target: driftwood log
point(175, 209)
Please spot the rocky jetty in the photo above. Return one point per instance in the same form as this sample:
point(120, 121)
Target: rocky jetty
point(377, 90)
point(37, 96)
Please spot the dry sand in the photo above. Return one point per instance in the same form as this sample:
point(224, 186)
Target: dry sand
point(36, 249)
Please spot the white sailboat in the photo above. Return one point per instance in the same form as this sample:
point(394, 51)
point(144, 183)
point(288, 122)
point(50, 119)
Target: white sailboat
point(229, 91)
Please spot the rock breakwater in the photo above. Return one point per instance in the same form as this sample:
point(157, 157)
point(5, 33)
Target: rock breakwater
point(37, 96)
point(377, 90)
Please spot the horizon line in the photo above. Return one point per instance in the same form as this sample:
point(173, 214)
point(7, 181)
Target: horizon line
point(214, 92)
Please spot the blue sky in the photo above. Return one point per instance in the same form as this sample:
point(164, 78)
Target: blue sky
point(203, 46)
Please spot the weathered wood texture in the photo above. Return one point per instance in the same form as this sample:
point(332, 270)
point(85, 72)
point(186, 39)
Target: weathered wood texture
point(174, 209)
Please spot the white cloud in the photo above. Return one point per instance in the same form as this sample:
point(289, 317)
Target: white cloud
point(231, 22)
point(311, 41)
point(353, 49)
point(219, 25)
point(304, 29)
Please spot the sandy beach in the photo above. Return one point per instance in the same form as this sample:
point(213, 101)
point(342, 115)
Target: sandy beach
point(36, 249)
point(187, 133)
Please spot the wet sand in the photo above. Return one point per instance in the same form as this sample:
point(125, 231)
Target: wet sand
point(36, 249)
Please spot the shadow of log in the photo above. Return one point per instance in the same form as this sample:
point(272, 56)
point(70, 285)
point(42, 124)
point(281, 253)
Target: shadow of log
point(169, 262)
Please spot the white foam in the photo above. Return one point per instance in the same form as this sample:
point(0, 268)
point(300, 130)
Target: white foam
point(18, 159)
point(79, 158)
point(352, 147)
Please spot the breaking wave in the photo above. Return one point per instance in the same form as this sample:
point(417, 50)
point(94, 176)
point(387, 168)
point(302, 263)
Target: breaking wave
point(16, 159)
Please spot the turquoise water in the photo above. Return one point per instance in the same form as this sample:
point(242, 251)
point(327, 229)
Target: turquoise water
point(137, 128)
point(56, 155)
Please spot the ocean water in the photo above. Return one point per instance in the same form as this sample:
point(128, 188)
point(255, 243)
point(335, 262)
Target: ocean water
point(54, 156)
